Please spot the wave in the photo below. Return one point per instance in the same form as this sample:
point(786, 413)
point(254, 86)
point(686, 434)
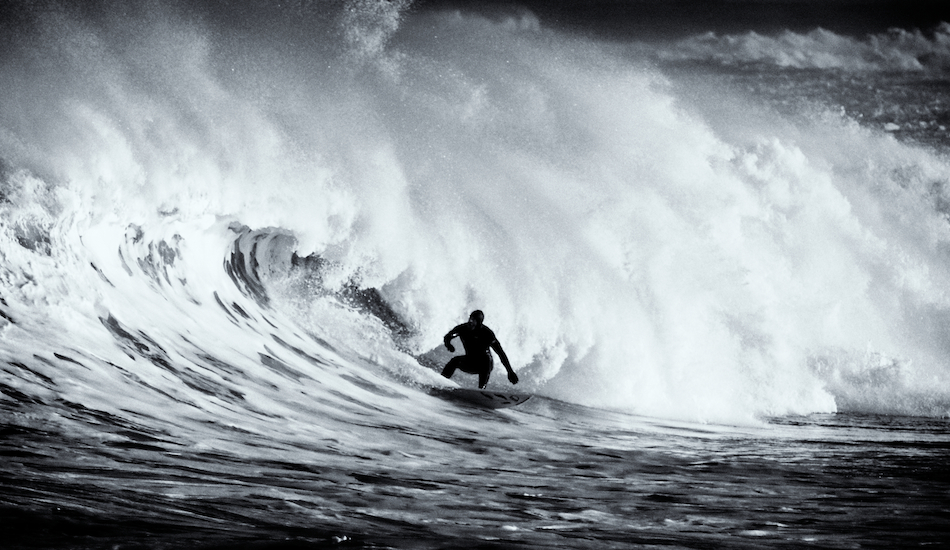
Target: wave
point(897, 50)
point(206, 215)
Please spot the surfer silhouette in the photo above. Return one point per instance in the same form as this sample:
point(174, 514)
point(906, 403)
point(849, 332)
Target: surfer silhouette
point(477, 339)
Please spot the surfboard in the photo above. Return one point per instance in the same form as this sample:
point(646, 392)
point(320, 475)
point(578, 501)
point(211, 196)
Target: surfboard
point(483, 398)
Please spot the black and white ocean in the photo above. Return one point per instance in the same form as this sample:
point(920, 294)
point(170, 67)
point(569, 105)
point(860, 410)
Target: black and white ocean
point(232, 235)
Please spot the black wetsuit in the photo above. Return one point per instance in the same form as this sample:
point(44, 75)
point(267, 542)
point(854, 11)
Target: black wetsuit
point(477, 340)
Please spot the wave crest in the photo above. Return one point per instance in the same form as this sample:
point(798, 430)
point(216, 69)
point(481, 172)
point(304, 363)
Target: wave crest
point(896, 50)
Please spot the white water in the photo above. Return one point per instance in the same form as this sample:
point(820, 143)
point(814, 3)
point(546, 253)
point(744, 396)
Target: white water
point(635, 245)
point(897, 50)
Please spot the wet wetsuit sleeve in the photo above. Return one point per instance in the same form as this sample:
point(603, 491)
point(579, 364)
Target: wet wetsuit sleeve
point(512, 377)
point(495, 345)
point(451, 334)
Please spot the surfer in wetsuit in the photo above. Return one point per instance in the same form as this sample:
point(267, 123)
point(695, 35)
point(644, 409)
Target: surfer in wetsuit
point(477, 340)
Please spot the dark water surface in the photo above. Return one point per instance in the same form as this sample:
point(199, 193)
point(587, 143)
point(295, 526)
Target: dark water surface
point(546, 475)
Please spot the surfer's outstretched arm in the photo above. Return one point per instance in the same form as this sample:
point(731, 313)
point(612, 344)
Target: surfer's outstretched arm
point(512, 377)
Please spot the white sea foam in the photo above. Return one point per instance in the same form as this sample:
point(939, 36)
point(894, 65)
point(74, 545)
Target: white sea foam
point(895, 50)
point(630, 248)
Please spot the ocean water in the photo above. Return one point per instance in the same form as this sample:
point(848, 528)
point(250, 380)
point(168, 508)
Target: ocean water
point(716, 250)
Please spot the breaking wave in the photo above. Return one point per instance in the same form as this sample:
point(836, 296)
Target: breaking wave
point(897, 50)
point(262, 216)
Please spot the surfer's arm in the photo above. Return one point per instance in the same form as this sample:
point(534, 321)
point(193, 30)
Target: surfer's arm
point(447, 339)
point(512, 377)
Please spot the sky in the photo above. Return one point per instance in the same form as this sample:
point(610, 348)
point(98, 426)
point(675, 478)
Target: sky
point(678, 18)
point(638, 19)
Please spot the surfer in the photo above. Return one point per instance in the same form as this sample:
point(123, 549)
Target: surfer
point(477, 339)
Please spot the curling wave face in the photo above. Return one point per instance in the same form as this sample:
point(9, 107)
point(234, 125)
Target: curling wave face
point(201, 212)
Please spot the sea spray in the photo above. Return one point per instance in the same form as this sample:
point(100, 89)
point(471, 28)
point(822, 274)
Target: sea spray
point(631, 247)
point(897, 50)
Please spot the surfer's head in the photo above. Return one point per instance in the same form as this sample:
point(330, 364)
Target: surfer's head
point(477, 317)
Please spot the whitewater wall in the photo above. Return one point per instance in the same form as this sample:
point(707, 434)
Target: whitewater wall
point(635, 244)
